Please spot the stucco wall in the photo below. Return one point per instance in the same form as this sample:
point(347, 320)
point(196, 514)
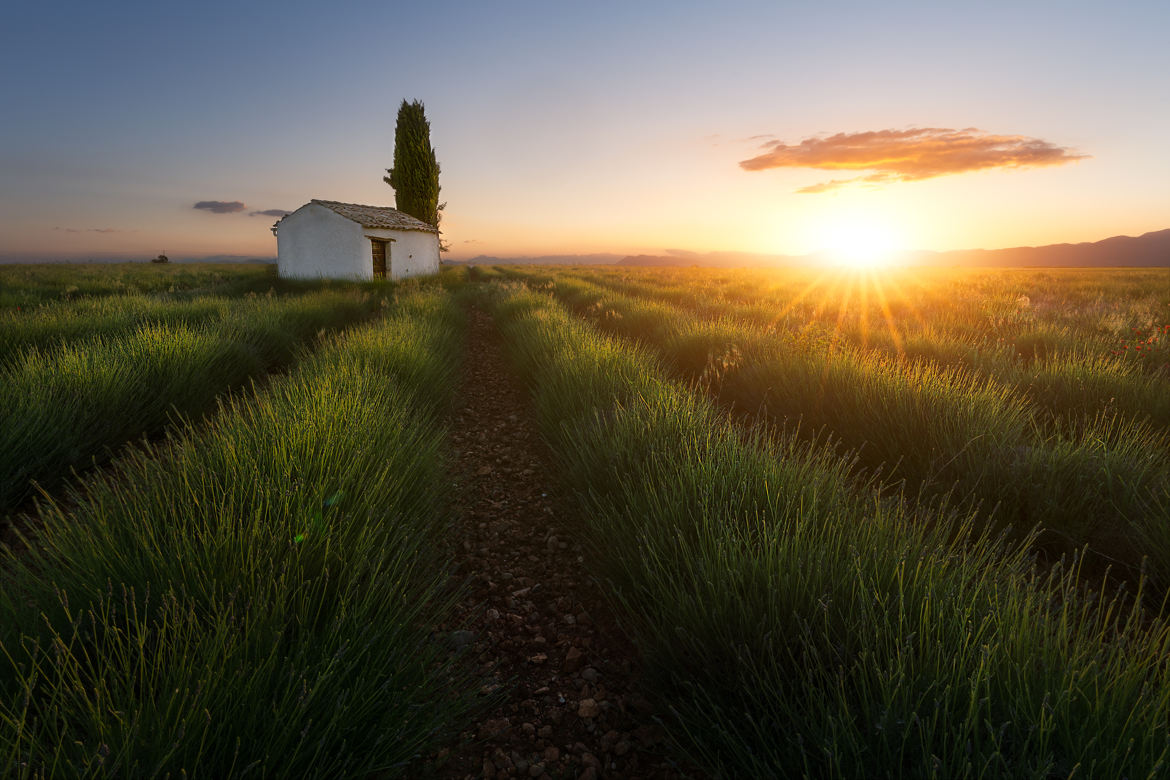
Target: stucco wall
point(315, 242)
point(412, 253)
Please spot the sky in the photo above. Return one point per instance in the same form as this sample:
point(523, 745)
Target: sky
point(131, 129)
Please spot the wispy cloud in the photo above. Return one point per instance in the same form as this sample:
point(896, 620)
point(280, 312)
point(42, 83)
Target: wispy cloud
point(91, 230)
point(269, 213)
point(220, 206)
point(909, 155)
point(873, 179)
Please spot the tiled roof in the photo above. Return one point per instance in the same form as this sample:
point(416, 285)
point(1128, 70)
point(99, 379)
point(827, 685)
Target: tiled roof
point(376, 216)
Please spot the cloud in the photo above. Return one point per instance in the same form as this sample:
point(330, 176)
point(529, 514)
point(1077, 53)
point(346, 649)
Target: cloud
point(824, 186)
point(909, 155)
point(268, 213)
point(220, 206)
point(91, 230)
point(873, 179)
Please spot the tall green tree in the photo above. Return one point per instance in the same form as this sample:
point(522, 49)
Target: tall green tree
point(415, 175)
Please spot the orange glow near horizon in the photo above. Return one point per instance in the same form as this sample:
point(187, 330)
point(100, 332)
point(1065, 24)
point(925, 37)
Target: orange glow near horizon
point(539, 161)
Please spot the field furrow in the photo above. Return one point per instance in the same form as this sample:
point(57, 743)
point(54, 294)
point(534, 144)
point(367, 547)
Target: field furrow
point(847, 525)
point(942, 431)
point(795, 624)
point(107, 317)
point(28, 287)
point(253, 596)
point(1067, 365)
point(62, 408)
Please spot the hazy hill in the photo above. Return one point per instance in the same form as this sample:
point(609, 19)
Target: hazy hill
point(15, 258)
point(597, 259)
point(712, 259)
point(1150, 249)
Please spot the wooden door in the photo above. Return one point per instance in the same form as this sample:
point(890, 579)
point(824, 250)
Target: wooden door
point(379, 251)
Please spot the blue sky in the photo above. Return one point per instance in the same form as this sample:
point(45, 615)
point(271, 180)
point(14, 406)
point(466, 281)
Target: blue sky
point(602, 127)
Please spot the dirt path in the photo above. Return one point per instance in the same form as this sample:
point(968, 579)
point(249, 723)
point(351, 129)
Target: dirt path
point(534, 623)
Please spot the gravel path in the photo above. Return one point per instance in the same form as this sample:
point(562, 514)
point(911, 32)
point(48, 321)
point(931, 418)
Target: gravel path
point(534, 624)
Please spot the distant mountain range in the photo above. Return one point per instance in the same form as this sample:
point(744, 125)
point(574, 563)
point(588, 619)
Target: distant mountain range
point(598, 259)
point(1148, 250)
point(24, 258)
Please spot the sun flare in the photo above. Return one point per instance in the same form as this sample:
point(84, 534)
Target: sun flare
point(859, 242)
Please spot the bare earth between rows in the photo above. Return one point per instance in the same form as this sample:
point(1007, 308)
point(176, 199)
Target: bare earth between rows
point(534, 624)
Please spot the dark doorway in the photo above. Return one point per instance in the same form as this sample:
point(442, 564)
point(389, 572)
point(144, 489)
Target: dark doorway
point(379, 249)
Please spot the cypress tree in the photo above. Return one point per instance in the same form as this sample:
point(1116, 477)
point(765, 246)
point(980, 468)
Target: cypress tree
point(415, 175)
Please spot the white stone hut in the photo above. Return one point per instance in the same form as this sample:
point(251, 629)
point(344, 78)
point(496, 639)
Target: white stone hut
point(327, 239)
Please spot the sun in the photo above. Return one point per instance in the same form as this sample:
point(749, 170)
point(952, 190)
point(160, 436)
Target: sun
point(860, 242)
